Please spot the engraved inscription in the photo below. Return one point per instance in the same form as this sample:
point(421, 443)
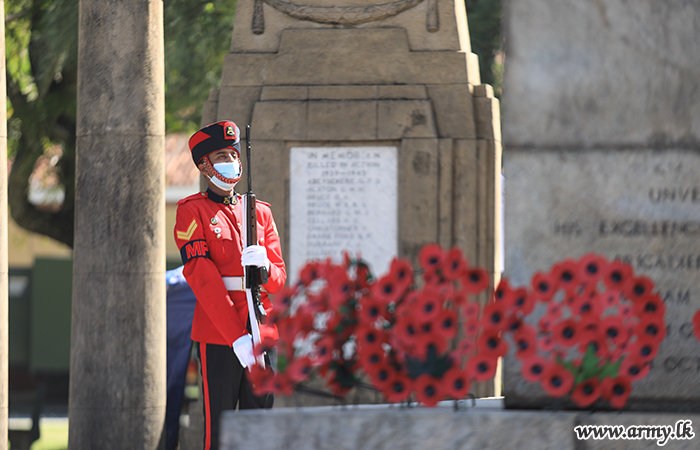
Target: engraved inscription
point(343, 198)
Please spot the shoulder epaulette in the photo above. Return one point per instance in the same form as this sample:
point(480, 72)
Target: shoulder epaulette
point(199, 195)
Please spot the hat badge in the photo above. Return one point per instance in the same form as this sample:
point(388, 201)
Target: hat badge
point(229, 131)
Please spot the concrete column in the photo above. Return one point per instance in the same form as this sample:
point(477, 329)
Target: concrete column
point(117, 378)
point(3, 240)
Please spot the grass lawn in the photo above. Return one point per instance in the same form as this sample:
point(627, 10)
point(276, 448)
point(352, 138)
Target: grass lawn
point(54, 435)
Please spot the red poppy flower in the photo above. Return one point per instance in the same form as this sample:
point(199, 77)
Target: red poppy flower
point(546, 343)
point(428, 306)
point(283, 384)
point(299, 369)
point(454, 264)
point(639, 287)
point(368, 336)
point(617, 390)
point(588, 338)
point(586, 393)
point(613, 329)
point(475, 280)
point(371, 358)
point(513, 324)
point(566, 274)
point(471, 328)
point(458, 299)
point(651, 327)
point(533, 367)
point(556, 380)
point(554, 310)
point(696, 324)
point(588, 323)
point(397, 389)
point(261, 379)
point(634, 367)
point(481, 367)
point(544, 286)
point(456, 383)
point(283, 299)
point(429, 390)
point(546, 323)
point(591, 267)
point(464, 348)
point(610, 298)
point(587, 306)
point(522, 302)
point(381, 374)
point(431, 258)
point(402, 272)
point(525, 341)
point(494, 316)
point(618, 276)
point(471, 311)
point(386, 290)
point(406, 330)
point(645, 348)
point(372, 309)
point(429, 343)
point(649, 304)
point(339, 287)
point(310, 272)
point(504, 292)
point(491, 343)
point(566, 333)
point(323, 350)
point(446, 324)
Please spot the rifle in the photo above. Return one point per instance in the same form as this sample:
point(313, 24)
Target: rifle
point(255, 277)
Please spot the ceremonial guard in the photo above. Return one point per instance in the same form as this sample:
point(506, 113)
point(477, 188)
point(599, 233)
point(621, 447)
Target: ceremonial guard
point(208, 233)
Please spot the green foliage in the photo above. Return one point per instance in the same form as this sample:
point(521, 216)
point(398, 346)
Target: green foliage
point(484, 18)
point(197, 36)
point(42, 50)
point(591, 367)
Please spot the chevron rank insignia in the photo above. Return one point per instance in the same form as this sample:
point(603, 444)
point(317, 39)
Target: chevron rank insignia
point(186, 235)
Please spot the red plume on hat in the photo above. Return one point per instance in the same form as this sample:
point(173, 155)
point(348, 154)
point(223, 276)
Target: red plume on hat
point(213, 137)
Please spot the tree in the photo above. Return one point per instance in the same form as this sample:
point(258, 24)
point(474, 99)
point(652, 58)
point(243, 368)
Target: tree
point(484, 18)
point(42, 48)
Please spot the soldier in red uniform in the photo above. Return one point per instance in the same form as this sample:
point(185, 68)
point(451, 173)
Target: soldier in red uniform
point(208, 234)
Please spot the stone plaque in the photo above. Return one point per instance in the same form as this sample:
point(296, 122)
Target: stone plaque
point(638, 206)
point(343, 198)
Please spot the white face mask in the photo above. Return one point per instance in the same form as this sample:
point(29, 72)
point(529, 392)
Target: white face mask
point(230, 170)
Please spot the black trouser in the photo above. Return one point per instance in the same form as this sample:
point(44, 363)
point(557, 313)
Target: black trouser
point(224, 385)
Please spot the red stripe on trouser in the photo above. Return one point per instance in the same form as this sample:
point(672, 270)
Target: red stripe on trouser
point(205, 388)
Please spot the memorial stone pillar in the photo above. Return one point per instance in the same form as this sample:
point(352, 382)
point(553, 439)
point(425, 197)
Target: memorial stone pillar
point(4, 325)
point(371, 129)
point(602, 154)
point(118, 370)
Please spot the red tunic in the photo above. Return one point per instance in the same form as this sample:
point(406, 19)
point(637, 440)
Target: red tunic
point(209, 238)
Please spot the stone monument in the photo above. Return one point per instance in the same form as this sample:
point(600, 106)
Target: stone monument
point(117, 370)
point(602, 138)
point(371, 129)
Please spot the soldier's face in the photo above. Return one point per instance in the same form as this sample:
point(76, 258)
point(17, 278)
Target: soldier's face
point(223, 155)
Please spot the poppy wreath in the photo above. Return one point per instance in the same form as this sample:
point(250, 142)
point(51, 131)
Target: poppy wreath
point(598, 330)
point(347, 326)
point(317, 320)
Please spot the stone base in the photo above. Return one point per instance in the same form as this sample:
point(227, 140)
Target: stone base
point(484, 426)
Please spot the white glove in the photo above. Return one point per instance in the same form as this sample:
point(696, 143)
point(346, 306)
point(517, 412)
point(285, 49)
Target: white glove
point(243, 349)
point(255, 255)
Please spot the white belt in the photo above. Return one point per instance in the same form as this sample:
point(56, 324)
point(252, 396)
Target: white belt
point(234, 283)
